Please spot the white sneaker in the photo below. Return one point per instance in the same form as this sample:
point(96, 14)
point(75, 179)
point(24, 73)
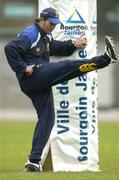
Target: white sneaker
point(110, 51)
point(32, 167)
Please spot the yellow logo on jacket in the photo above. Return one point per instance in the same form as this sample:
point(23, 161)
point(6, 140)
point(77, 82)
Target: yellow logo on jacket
point(87, 67)
point(37, 49)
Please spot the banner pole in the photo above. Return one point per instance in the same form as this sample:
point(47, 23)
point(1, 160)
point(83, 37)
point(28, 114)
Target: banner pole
point(74, 139)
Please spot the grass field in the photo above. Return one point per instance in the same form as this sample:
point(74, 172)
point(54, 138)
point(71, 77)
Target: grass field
point(15, 142)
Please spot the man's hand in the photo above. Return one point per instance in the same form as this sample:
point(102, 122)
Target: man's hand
point(81, 42)
point(29, 70)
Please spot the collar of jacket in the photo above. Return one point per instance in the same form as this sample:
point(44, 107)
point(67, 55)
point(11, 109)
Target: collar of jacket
point(38, 27)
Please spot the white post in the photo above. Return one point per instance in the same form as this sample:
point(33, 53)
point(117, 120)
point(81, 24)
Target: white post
point(74, 139)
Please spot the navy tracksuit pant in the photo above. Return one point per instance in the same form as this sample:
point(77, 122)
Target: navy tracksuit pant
point(38, 88)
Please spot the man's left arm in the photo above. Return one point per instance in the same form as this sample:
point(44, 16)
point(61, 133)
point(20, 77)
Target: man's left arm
point(66, 48)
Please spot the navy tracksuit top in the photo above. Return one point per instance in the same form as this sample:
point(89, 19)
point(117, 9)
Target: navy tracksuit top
point(32, 46)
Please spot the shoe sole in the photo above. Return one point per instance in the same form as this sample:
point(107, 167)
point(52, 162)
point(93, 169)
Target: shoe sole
point(31, 168)
point(110, 45)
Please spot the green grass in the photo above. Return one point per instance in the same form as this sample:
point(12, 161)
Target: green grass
point(15, 143)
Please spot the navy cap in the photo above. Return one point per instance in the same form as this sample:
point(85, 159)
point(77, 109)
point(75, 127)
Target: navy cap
point(51, 14)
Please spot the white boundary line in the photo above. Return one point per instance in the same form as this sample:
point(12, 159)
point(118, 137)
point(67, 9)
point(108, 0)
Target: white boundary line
point(28, 115)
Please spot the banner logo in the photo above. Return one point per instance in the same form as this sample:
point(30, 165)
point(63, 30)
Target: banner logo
point(74, 24)
point(78, 20)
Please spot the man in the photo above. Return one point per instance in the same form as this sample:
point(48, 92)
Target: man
point(28, 55)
